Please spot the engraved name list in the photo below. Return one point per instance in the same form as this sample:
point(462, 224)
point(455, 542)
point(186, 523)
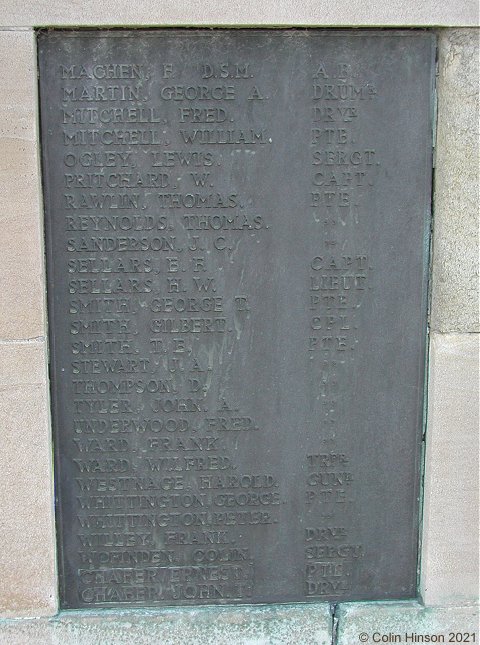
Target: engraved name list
point(236, 225)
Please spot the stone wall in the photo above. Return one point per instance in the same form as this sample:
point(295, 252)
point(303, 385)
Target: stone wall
point(449, 563)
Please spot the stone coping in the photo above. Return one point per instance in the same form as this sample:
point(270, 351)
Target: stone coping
point(315, 624)
point(271, 13)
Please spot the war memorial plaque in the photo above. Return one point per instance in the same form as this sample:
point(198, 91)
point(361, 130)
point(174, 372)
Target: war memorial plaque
point(237, 229)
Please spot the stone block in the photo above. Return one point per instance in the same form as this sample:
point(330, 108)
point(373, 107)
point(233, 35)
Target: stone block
point(455, 303)
point(27, 541)
point(400, 622)
point(159, 13)
point(247, 625)
point(21, 246)
point(449, 568)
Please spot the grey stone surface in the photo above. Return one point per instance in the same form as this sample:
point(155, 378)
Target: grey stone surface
point(249, 12)
point(281, 625)
point(449, 568)
point(368, 623)
point(21, 253)
point(455, 304)
point(27, 540)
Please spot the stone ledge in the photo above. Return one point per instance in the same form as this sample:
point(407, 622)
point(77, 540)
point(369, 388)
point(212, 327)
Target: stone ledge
point(246, 625)
point(346, 13)
point(367, 623)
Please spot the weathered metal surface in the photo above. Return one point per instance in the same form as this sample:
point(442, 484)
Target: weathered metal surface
point(237, 225)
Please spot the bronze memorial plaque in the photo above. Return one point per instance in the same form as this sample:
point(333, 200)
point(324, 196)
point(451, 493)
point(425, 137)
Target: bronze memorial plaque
point(237, 228)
